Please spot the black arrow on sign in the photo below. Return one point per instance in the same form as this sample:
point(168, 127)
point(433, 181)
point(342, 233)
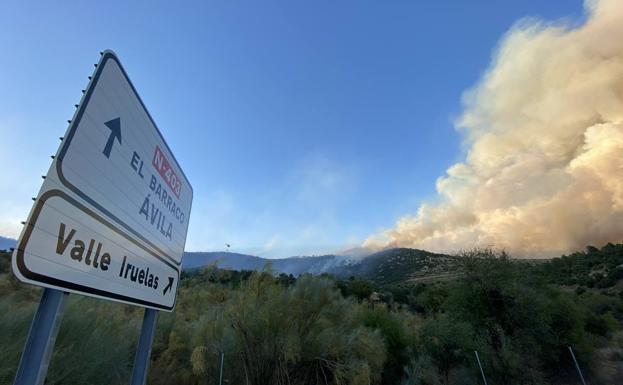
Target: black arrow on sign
point(115, 132)
point(169, 286)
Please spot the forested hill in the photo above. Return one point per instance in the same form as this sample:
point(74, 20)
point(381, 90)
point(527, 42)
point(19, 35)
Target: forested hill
point(400, 265)
point(598, 268)
point(593, 267)
point(392, 265)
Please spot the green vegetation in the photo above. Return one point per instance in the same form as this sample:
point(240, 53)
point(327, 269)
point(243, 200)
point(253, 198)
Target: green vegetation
point(519, 316)
point(594, 268)
point(401, 265)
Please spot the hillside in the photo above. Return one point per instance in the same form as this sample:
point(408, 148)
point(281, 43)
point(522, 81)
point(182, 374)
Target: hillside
point(392, 265)
point(599, 268)
point(235, 261)
point(400, 265)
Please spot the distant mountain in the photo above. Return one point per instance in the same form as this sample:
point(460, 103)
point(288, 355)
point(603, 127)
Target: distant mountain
point(235, 261)
point(392, 265)
point(6, 243)
point(224, 260)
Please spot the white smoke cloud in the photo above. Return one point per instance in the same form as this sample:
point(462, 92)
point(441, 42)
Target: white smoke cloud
point(543, 172)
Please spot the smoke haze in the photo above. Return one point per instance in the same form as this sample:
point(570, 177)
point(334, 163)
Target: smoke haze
point(543, 130)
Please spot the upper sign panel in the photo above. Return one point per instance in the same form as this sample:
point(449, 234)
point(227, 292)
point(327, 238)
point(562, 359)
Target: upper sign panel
point(115, 158)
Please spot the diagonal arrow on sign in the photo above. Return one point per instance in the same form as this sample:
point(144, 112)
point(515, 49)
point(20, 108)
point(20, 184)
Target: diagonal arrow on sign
point(115, 133)
point(169, 286)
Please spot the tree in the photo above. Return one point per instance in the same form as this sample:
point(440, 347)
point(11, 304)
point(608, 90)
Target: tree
point(524, 324)
point(448, 343)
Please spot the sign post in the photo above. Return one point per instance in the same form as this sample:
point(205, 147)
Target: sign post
point(482, 372)
point(577, 366)
point(143, 349)
point(111, 217)
point(37, 352)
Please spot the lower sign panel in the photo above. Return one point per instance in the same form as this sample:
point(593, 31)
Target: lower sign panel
point(69, 247)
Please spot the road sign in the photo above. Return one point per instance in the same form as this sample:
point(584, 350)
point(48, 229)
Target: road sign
point(112, 214)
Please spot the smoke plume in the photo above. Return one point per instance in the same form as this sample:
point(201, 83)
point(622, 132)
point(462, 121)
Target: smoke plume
point(543, 129)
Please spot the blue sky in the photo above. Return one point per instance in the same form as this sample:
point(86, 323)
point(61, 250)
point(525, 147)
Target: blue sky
point(304, 127)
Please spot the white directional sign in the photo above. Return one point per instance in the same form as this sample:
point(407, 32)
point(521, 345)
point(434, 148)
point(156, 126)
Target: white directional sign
point(112, 214)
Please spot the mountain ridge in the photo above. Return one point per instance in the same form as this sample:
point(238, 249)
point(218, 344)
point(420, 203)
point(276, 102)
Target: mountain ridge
point(7, 243)
point(387, 266)
point(237, 261)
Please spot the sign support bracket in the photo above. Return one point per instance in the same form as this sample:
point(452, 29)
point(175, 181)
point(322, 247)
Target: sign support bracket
point(143, 349)
point(33, 365)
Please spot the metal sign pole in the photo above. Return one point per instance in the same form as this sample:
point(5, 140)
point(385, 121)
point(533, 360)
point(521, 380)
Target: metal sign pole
point(576, 365)
point(482, 372)
point(143, 349)
point(220, 377)
point(33, 365)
